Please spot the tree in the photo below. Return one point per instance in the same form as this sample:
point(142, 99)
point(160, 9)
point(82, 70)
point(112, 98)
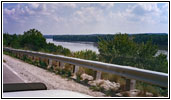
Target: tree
point(161, 63)
point(7, 39)
point(11, 40)
point(51, 47)
point(33, 40)
point(86, 54)
point(111, 50)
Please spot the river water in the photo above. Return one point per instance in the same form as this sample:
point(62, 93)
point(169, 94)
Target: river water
point(75, 46)
point(78, 46)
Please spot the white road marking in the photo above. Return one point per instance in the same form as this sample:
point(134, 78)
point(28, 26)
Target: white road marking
point(14, 72)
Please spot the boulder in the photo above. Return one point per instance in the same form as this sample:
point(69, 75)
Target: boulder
point(106, 84)
point(86, 77)
point(134, 93)
point(148, 94)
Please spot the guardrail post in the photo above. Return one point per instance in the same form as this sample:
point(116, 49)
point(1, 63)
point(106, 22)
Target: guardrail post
point(29, 57)
point(49, 63)
point(61, 65)
point(55, 65)
point(130, 84)
point(20, 56)
point(13, 53)
point(75, 69)
point(98, 75)
point(32, 58)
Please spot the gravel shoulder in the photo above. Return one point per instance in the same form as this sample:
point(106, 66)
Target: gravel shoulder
point(30, 73)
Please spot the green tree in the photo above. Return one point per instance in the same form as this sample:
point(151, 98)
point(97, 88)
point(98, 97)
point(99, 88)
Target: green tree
point(86, 54)
point(112, 50)
point(12, 40)
point(161, 63)
point(33, 40)
point(7, 39)
point(51, 47)
point(147, 50)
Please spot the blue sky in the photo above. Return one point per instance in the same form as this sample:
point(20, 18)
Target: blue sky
point(85, 18)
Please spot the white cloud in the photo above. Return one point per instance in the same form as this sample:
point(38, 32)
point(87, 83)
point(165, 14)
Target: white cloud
point(165, 6)
point(29, 11)
point(86, 17)
point(146, 13)
point(89, 15)
point(149, 6)
point(9, 12)
point(107, 5)
point(34, 5)
point(72, 5)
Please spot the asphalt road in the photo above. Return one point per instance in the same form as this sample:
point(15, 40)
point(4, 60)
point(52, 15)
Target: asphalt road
point(10, 76)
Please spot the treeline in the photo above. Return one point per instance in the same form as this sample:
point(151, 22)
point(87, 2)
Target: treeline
point(81, 38)
point(161, 40)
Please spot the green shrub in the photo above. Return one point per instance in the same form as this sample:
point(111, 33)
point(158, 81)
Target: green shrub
point(43, 64)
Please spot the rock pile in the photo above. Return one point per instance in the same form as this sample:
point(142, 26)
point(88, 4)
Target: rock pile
point(106, 84)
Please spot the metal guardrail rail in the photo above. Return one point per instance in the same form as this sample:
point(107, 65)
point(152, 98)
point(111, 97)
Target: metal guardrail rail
point(152, 77)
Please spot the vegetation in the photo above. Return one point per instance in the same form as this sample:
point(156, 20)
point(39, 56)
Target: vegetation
point(12, 40)
point(86, 54)
point(122, 49)
point(161, 39)
point(33, 40)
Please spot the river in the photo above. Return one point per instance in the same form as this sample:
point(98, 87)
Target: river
point(78, 46)
point(75, 46)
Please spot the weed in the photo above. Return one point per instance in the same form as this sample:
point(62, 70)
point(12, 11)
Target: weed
point(4, 61)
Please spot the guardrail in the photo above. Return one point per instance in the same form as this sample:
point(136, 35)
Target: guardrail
point(131, 73)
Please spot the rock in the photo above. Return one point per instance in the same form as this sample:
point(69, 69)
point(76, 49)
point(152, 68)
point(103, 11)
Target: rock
point(96, 82)
point(119, 94)
point(74, 77)
point(134, 92)
point(106, 84)
point(86, 77)
point(148, 94)
point(131, 93)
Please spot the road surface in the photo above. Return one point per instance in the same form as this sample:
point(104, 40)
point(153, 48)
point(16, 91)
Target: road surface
point(10, 76)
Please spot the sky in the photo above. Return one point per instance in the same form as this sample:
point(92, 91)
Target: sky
point(85, 18)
